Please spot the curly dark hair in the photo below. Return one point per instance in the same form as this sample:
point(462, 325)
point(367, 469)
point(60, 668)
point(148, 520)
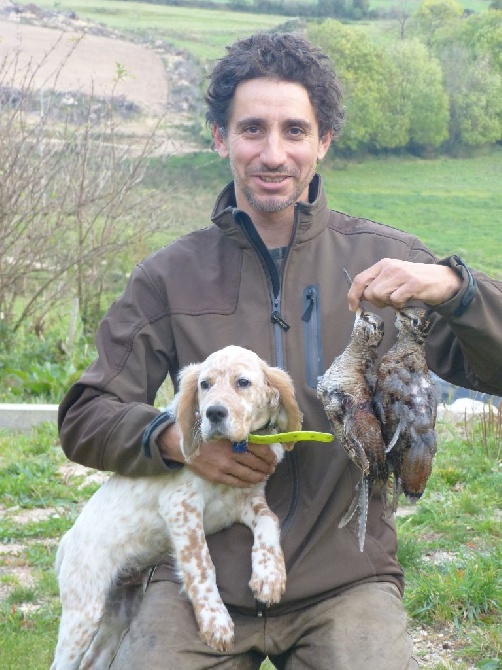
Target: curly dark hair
point(283, 56)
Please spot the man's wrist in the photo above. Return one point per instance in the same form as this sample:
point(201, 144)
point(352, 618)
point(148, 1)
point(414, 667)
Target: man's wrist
point(153, 440)
point(168, 442)
point(464, 296)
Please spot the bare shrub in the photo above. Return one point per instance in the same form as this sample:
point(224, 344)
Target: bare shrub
point(72, 205)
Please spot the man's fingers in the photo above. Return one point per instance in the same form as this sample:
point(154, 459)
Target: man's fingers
point(359, 285)
point(394, 282)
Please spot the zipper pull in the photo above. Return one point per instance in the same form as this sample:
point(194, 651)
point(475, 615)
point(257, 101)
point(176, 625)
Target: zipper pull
point(277, 318)
point(307, 314)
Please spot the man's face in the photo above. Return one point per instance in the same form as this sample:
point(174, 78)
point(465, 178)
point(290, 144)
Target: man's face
point(273, 145)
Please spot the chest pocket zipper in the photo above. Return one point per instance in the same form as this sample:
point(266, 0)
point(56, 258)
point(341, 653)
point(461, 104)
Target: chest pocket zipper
point(311, 317)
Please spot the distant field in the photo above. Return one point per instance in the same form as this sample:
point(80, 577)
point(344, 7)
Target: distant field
point(453, 205)
point(202, 32)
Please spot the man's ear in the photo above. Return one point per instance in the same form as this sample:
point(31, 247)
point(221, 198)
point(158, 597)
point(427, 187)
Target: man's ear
point(324, 143)
point(220, 141)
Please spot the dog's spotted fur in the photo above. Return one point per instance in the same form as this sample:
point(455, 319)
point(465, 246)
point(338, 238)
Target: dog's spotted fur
point(130, 523)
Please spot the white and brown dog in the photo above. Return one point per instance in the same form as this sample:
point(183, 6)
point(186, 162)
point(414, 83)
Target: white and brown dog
point(130, 523)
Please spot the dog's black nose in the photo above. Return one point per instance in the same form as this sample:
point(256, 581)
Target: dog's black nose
point(216, 413)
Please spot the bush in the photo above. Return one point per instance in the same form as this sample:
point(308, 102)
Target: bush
point(38, 369)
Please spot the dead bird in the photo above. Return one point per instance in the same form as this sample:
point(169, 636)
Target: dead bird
point(406, 405)
point(346, 392)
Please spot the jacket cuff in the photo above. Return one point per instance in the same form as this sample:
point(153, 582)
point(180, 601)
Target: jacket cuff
point(461, 300)
point(152, 432)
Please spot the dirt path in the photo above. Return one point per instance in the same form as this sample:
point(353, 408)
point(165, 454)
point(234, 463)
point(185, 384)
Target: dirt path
point(85, 63)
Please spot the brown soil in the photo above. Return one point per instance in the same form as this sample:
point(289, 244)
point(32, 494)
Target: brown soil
point(86, 63)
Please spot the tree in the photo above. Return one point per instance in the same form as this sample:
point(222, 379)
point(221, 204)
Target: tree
point(402, 13)
point(470, 52)
point(475, 94)
point(418, 89)
point(481, 34)
point(393, 94)
point(435, 18)
point(358, 64)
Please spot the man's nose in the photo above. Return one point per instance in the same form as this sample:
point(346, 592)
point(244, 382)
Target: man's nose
point(273, 152)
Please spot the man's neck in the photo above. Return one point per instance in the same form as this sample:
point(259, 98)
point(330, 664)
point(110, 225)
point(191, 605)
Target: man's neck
point(274, 228)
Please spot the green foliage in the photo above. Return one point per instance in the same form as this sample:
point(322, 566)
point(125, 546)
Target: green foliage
point(417, 88)
point(443, 90)
point(475, 92)
point(469, 587)
point(359, 65)
point(469, 50)
point(435, 18)
point(393, 93)
point(489, 664)
point(481, 34)
point(39, 368)
point(27, 640)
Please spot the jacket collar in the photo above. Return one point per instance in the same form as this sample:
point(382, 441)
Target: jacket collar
point(311, 217)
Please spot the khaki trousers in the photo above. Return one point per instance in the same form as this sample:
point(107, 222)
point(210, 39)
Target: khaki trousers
point(364, 628)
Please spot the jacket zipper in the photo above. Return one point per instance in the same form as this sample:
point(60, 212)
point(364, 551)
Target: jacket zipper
point(274, 281)
point(312, 334)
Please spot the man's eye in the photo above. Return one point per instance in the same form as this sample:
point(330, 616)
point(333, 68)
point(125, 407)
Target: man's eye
point(251, 130)
point(296, 131)
point(243, 383)
point(205, 385)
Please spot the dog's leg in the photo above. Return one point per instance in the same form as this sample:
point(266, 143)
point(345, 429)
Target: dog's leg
point(268, 575)
point(121, 606)
point(83, 594)
point(76, 632)
point(183, 513)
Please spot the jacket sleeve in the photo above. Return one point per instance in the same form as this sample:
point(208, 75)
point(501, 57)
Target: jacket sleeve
point(105, 416)
point(464, 346)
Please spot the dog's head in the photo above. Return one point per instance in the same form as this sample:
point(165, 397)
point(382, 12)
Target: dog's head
point(231, 394)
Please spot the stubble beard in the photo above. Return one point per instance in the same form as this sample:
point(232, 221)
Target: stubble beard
point(273, 203)
point(270, 204)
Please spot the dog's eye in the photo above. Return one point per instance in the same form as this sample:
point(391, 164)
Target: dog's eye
point(243, 383)
point(204, 384)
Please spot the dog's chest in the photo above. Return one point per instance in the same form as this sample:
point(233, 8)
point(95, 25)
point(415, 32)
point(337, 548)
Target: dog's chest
point(223, 509)
point(196, 501)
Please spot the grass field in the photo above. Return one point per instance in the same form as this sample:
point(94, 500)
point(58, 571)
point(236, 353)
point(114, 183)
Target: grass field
point(450, 547)
point(202, 32)
point(205, 32)
point(453, 205)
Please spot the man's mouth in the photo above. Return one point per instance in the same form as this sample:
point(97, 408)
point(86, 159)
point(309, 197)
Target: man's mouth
point(273, 180)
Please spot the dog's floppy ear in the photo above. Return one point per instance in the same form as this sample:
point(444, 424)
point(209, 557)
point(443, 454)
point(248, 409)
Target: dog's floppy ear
point(187, 410)
point(289, 417)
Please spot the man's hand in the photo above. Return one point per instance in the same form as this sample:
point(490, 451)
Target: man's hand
point(393, 282)
point(217, 463)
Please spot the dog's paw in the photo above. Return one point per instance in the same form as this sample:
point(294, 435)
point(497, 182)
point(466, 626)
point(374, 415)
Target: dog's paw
point(216, 628)
point(268, 578)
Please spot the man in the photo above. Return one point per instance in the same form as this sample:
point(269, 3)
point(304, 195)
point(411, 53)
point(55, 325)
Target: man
point(267, 275)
